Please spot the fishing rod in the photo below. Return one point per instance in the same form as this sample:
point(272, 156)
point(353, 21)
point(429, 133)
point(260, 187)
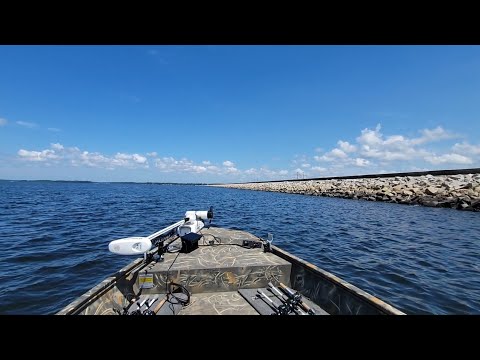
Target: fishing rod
point(139, 306)
point(147, 310)
point(138, 310)
point(287, 301)
point(297, 298)
point(278, 310)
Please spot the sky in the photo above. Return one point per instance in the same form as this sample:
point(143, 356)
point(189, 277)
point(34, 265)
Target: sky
point(236, 113)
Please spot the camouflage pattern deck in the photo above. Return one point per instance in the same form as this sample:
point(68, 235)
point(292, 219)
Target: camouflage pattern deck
point(221, 267)
point(218, 303)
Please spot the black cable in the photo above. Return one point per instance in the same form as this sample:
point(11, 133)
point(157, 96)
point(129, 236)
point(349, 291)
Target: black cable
point(184, 290)
point(169, 292)
point(215, 238)
point(219, 241)
point(168, 270)
point(215, 245)
point(173, 251)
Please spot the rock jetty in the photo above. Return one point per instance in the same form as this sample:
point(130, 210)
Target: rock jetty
point(450, 191)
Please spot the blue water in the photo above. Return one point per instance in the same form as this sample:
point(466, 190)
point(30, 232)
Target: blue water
point(54, 238)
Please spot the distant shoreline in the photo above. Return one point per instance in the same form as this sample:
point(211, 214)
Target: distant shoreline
point(105, 182)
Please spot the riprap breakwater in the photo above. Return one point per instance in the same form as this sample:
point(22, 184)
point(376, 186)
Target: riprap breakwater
point(460, 191)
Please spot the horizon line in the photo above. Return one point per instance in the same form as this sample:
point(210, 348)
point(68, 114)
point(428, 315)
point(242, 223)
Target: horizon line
point(382, 175)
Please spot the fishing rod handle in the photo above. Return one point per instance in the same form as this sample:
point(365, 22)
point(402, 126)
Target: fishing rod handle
point(286, 289)
point(265, 296)
point(159, 305)
point(274, 289)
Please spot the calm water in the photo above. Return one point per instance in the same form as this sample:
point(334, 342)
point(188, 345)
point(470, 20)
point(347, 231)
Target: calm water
point(54, 239)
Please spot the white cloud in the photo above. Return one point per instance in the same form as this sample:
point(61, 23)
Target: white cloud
point(338, 153)
point(333, 155)
point(298, 160)
point(449, 158)
point(434, 135)
point(346, 146)
point(361, 162)
point(231, 170)
point(306, 165)
point(27, 124)
point(152, 154)
point(94, 160)
point(57, 146)
point(170, 164)
point(199, 169)
point(122, 159)
point(228, 163)
point(139, 159)
point(375, 151)
point(43, 155)
point(206, 162)
point(466, 148)
point(370, 137)
point(74, 156)
point(394, 147)
point(54, 129)
point(266, 174)
point(3, 122)
point(319, 169)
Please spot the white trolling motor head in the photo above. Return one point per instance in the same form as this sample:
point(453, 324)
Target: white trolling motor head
point(194, 221)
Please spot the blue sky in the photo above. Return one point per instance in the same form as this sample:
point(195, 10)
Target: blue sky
point(236, 113)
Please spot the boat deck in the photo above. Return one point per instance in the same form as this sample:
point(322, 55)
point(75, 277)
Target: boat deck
point(241, 302)
point(223, 276)
point(217, 273)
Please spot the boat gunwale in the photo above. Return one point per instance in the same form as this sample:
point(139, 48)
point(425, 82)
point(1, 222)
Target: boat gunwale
point(352, 289)
point(98, 290)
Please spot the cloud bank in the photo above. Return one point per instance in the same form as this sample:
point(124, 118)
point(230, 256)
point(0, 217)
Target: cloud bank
point(369, 152)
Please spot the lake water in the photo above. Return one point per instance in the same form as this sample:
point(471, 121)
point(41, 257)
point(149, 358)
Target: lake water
point(54, 238)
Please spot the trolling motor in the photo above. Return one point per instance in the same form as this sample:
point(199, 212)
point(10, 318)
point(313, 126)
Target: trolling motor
point(193, 222)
